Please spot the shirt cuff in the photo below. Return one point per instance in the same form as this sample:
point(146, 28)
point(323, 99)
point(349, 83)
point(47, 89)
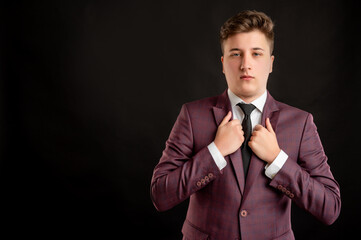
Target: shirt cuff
point(273, 168)
point(217, 156)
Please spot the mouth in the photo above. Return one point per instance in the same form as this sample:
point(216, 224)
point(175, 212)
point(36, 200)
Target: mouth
point(247, 77)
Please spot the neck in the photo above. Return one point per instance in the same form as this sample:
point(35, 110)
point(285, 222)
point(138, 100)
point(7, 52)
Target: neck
point(249, 99)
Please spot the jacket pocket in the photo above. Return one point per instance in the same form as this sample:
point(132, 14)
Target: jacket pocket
point(288, 235)
point(191, 232)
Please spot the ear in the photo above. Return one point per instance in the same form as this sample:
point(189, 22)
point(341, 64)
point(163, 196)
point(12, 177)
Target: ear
point(271, 65)
point(222, 59)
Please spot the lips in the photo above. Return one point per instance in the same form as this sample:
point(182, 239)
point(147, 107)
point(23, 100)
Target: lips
point(247, 77)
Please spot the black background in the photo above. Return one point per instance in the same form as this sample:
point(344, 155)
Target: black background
point(90, 91)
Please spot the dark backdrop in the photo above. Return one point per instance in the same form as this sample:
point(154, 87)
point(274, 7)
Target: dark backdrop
point(90, 91)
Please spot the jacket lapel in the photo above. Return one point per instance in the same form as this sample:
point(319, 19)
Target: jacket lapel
point(257, 165)
point(221, 109)
point(236, 159)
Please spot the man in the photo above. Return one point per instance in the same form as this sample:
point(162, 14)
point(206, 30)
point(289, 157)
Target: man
point(243, 157)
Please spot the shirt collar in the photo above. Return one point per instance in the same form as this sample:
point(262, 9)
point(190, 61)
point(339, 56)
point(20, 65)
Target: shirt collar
point(258, 103)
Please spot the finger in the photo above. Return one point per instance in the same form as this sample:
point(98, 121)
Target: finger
point(257, 127)
point(269, 126)
point(251, 144)
point(241, 131)
point(226, 118)
point(236, 122)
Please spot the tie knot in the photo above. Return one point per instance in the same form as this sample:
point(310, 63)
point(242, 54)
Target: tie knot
point(246, 108)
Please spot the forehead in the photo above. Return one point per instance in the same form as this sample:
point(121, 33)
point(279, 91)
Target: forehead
point(247, 40)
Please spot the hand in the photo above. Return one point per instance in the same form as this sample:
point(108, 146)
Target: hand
point(263, 142)
point(229, 136)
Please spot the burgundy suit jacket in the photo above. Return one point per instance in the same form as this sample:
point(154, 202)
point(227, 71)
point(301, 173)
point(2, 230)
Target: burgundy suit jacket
point(223, 205)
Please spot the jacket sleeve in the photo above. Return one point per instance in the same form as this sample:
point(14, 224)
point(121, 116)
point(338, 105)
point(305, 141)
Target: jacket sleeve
point(309, 181)
point(180, 171)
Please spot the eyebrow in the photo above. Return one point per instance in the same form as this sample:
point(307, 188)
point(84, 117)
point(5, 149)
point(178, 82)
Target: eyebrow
point(255, 48)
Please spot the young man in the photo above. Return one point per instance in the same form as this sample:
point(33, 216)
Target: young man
point(243, 157)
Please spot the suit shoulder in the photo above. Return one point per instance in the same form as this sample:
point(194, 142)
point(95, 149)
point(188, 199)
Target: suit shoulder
point(203, 103)
point(296, 112)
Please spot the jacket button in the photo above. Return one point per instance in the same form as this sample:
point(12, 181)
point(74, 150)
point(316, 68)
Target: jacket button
point(199, 184)
point(210, 175)
point(244, 213)
point(291, 195)
point(279, 187)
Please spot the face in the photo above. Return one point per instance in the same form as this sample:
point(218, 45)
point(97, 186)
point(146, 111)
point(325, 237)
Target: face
point(247, 62)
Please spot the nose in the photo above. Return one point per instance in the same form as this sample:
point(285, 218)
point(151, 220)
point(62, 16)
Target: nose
point(245, 63)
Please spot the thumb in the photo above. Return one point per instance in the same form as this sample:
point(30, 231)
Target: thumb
point(226, 118)
point(269, 126)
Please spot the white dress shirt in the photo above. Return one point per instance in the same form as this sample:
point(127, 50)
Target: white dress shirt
point(256, 117)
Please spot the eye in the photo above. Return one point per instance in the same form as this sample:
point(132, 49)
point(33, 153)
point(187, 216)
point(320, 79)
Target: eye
point(256, 54)
point(235, 54)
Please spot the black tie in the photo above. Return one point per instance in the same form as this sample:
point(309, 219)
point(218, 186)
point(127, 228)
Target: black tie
point(247, 129)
